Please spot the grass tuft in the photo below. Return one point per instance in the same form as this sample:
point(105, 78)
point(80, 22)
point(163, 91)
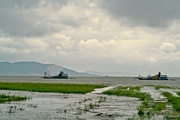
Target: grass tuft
point(7, 98)
point(157, 87)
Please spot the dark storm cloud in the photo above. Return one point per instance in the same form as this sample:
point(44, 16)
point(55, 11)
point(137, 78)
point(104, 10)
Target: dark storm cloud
point(19, 17)
point(153, 13)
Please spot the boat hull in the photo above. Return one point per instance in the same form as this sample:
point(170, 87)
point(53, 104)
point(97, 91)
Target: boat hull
point(55, 77)
point(150, 79)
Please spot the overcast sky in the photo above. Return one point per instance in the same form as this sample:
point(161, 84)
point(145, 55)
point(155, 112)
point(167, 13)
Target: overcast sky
point(136, 36)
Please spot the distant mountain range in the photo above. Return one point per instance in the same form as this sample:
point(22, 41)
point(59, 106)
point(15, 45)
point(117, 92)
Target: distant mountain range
point(35, 69)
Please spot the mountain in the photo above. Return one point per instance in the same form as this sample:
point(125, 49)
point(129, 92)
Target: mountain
point(34, 69)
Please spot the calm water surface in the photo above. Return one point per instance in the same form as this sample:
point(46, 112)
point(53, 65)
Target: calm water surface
point(92, 80)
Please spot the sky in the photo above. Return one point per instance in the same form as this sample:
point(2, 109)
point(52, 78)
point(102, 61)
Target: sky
point(135, 36)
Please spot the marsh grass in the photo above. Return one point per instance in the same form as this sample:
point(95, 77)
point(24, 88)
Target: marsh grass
point(157, 87)
point(148, 107)
point(175, 101)
point(129, 91)
point(7, 98)
point(159, 106)
point(49, 87)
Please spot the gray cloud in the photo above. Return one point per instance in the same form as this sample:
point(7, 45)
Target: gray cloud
point(28, 4)
point(153, 13)
point(26, 18)
point(90, 35)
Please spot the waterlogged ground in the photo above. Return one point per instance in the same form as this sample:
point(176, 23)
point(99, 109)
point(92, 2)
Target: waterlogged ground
point(91, 106)
point(53, 106)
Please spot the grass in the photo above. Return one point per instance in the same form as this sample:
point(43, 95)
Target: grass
point(157, 87)
point(49, 87)
point(150, 108)
point(159, 106)
point(178, 93)
point(175, 101)
point(129, 92)
point(8, 98)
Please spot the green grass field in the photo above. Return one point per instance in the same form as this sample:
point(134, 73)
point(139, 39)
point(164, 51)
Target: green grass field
point(49, 87)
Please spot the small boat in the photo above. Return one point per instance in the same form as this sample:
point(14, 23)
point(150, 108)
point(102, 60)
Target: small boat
point(61, 75)
point(155, 77)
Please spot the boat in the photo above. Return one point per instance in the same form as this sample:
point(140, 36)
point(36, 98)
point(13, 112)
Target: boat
point(61, 75)
point(155, 77)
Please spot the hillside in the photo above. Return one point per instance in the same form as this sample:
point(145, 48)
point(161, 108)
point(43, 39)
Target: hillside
point(34, 69)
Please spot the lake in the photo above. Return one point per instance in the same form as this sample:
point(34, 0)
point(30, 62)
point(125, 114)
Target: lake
point(92, 80)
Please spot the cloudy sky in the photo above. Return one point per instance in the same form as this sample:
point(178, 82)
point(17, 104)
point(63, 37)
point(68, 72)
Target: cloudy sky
point(136, 36)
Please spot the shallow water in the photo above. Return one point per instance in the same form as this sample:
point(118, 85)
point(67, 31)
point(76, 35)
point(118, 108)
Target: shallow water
point(57, 106)
point(41, 106)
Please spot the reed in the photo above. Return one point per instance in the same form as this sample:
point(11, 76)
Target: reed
point(49, 87)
